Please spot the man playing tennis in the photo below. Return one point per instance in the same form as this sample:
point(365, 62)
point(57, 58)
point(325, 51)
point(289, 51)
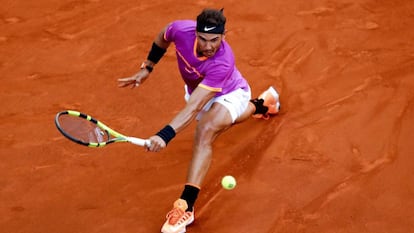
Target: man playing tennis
point(217, 96)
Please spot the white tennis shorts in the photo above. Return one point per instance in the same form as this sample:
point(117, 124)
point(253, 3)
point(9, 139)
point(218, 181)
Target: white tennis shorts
point(236, 102)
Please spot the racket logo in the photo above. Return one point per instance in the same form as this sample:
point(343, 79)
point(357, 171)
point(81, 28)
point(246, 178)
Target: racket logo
point(98, 135)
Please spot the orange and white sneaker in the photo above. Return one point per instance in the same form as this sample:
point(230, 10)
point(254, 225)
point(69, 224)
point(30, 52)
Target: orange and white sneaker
point(267, 104)
point(178, 218)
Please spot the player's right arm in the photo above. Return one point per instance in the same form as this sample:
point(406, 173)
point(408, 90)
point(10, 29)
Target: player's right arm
point(159, 46)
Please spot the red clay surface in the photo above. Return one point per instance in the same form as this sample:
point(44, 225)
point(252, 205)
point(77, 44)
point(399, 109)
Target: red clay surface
point(339, 158)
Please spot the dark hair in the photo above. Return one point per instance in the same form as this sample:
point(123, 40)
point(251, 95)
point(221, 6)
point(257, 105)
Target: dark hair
point(211, 17)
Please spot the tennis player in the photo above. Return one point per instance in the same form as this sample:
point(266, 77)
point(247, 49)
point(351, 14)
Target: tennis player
point(217, 96)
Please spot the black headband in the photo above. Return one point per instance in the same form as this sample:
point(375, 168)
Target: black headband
point(209, 28)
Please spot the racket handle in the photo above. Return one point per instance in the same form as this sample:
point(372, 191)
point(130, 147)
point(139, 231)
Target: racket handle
point(139, 141)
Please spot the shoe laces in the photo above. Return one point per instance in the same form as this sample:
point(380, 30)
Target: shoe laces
point(184, 218)
point(175, 215)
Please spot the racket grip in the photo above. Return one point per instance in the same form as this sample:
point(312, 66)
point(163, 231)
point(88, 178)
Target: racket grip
point(139, 141)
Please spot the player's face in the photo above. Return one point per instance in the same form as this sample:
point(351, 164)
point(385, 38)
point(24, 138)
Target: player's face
point(208, 44)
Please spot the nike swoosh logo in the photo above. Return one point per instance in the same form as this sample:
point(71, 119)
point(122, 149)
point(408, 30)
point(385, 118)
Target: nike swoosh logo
point(208, 28)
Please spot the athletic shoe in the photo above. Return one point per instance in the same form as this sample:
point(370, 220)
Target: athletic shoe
point(270, 100)
point(178, 218)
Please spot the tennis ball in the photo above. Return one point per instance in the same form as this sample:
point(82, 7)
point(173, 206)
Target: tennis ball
point(228, 182)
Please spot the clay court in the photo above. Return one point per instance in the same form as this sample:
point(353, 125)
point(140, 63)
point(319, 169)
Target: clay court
point(338, 158)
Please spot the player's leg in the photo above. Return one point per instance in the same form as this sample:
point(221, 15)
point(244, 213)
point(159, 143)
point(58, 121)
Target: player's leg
point(211, 124)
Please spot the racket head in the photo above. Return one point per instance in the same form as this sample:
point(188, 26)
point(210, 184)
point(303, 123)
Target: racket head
point(85, 130)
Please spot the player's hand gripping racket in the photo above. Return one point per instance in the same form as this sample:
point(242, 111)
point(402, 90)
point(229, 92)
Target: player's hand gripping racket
point(86, 130)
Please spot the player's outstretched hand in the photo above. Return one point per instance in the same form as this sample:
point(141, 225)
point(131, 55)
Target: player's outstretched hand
point(135, 80)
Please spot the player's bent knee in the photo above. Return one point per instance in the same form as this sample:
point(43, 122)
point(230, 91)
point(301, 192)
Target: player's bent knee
point(206, 132)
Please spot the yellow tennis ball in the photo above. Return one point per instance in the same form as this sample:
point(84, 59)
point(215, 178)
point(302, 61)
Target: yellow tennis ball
point(228, 182)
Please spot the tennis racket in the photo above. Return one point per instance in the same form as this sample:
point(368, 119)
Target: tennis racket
point(86, 130)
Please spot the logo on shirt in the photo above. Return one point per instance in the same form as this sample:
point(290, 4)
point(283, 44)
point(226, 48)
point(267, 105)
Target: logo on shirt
point(208, 28)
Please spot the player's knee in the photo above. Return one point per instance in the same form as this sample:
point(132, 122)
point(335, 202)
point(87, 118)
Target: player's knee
point(205, 132)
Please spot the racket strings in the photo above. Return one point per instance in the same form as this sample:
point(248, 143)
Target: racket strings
point(82, 129)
